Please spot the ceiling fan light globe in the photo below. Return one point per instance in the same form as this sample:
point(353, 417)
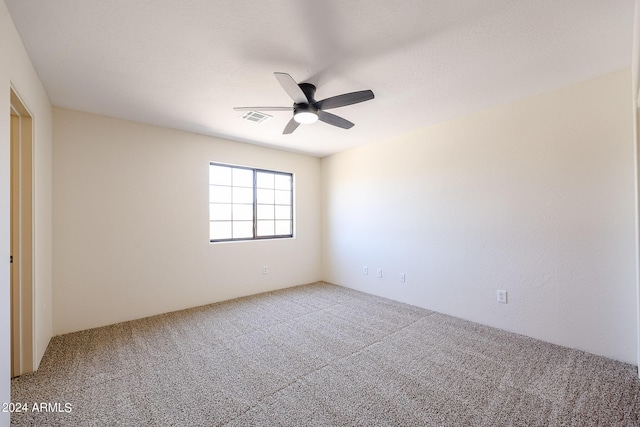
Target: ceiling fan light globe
point(305, 117)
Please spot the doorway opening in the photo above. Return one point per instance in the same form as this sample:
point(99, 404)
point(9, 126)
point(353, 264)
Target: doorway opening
point(22, 346)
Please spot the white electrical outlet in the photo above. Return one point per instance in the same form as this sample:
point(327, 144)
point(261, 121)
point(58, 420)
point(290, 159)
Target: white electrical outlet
point(365, 270)
point(402, 278)
point(502, 296)
point(379, 272)
point(265, 269)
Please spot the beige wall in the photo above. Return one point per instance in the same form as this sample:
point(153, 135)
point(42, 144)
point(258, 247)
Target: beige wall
point(536, 198)
point(16, 70)
point(131, 231)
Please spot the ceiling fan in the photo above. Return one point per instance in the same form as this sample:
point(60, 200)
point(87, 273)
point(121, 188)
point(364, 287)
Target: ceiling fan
point(306, 109)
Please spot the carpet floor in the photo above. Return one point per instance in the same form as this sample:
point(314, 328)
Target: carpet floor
point(319, 355)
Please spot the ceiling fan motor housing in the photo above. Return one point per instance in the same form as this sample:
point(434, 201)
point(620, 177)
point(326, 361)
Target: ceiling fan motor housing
point(306, 112)
point(309, 91)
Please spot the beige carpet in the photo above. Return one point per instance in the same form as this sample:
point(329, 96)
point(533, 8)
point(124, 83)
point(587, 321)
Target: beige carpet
point(321, 355)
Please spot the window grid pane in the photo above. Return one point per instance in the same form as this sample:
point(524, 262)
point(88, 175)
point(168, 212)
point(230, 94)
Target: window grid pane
point(242, 212)
point(220, 212)
point(282, 197)
point(242, 229)
point(266, 212)
point(220, 175)
point(219, 194)
point(242, 195)
point(283, 212)
point(265, 197)
point(242, 178)
point(283, 227)
point(265, 180)
point(246, 203)
point(220, 230)
point(283, 182)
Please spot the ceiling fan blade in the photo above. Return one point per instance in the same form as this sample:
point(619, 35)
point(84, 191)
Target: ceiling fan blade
point(291, 87)
point(344, 99)
point(334, 120)
point(290, 127)
point(263, 108)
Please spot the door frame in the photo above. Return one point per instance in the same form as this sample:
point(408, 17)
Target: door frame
point(22, 245)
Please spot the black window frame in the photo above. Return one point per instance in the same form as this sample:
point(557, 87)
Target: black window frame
point(255, 204)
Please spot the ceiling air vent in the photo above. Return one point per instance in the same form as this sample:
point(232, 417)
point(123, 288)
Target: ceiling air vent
point(255, 117)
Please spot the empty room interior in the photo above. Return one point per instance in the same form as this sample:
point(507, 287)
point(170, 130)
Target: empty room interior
point(319, 213)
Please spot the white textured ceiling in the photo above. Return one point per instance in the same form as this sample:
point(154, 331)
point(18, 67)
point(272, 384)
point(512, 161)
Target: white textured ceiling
point(185, 64)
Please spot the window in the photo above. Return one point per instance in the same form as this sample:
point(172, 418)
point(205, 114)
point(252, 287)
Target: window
point(247, 203)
